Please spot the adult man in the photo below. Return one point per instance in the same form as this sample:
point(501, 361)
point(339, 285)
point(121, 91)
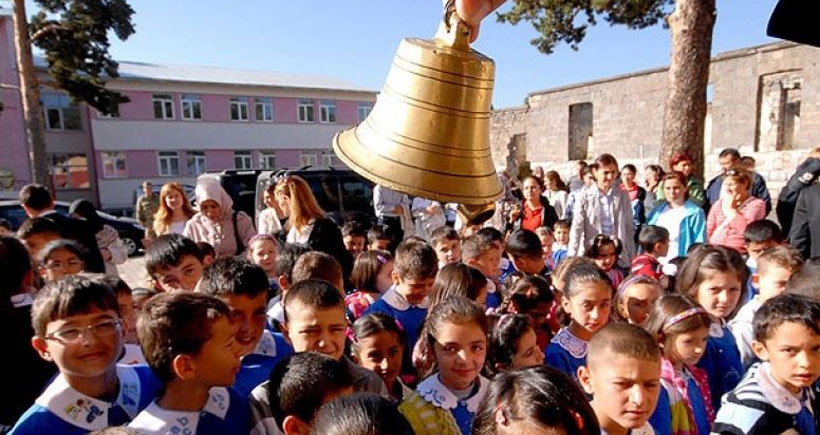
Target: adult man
point(37, 201)
point(804, 176)
point(391, 208)
point(805, 229)
point(729, 158)
point(147, 205)
point(603, 208)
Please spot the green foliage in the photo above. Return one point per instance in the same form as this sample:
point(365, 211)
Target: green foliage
point(566, 21)
point(74, 36)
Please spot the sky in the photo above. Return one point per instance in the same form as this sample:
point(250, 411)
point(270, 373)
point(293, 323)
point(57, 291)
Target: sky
point(355, 40)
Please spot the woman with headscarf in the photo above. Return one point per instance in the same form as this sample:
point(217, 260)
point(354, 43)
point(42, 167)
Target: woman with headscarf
point(217, 223)
point(112, 249)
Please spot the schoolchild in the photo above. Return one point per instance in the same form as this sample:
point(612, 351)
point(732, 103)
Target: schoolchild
point(378, 237)
point(243, 287)
point(36, 232)
point(636, 297)
point(445, 403)
point(622, 375)
point(561, 233)
point(715, 278)
point(587, 301)
point(285, 261)
point(775, 266)
point(484, 253)
point(513, 344)
point(654, 243)
point(372, 276)
point(547, 239)
point(77, 325)
point(758, 237)
point(524, 250)
point(132, 352)
point(414, 272)
point(604, 251)
point(459, 279)
point(174, 262)
point(681, 328)
point(774, 396)
point(532, 296)
point(262, 251)
point(361, 414)
point(60, 258)
point(447, 244)
point(208, 252)
point(535, 400)
point(190, 344)
point(318, 265)
point(377, 344)
point(354, 237)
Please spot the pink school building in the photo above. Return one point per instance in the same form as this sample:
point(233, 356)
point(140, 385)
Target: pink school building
point(180, 122)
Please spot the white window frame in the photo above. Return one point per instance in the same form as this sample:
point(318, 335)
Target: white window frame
point(328, 160)
point(196, 159)
point(166, 102)
point(307, 159)
point(111, 161)
point(305, 111)
point(61, 105)
point(267, 160)
point(191, 103)
point(327, 112)
point(167, 157)
point(263, 109)
point(243, 157)
point(364, 110)
point(240, 106)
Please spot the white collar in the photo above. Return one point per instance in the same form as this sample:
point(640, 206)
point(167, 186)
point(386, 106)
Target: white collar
point(266, 345)
point(397, 301)
point(491, 287)
point(22, 300)
point(158, 420)
point(781, 398)
point(87, 412)
point(433, 391)
point(716, 329)
point(572, 344)
point(646, 429)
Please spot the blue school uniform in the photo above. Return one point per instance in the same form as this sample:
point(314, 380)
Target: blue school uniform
point(661, 419)
point(721, 362)
point(225, 412)
point(62, 410)
point(257, 365)
point(432, 393)
point(410, 317)
point(566, 352)
point(558, 255)
point(698, 403)
point(493, 294)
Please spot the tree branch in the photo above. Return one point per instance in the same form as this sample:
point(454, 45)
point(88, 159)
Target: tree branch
point(44, 31)
point(8, 86)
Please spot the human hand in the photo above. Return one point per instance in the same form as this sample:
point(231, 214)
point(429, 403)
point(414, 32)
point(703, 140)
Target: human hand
point(397, 209)
point(473, 11)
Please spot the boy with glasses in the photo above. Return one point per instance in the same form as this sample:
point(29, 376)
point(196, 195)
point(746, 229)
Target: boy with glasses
point(77, 325)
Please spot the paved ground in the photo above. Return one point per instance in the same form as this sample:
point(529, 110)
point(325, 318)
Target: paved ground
point(133, 272)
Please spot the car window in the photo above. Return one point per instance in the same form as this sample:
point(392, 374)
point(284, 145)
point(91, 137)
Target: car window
point(357, 193)
point(325, 188)
point(14, 214)
point(243, 191)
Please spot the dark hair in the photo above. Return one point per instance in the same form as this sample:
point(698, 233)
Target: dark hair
point(675, 175)
point(415, 260)
point(709, 259)
point(300, 383)
point(563, 223)
point(477, 245)
point(524, 243)
point(286, 259)
point(36, 197)
point(555, 178)
point(625, 339)
point(86, 210)
point(784, 308)
point(458, 310)
point(763, 231)
point(15, 263)
point(457, 279)
point(537, 180)
point(372, 324)
point(670, 306)
point(37, 226)
point(583, 273)
point(4, 223)
point(207, 249)
point(630, 167)
point(491, 233)
point(168, 250)
point(729, 152)
point(606, 159)
point(70, 296)
point(441, 234)
point(651, 235)
point(61, 245)
point(527, 293)
point(117, 284)
point(317, 265)
point(366, 269)
point(806, 281)
point(559, 275)
point(360, 414)
point(353, 229)
point(177, 323)
point(378, 232)
point(542, 395)
point(314, 294)
point(656, 169)
point(233, 276)
point(507, 330)
point(601, 240)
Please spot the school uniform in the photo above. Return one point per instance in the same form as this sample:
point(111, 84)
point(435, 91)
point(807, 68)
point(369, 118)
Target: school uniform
point(256, 366)
point(689, 405)
point(225, 412)
point(62, 410)
point(435, 410)
point(721, 361)
point(559, 253)
point(759, 405)
point(408, 316)
point(567, 352)
point(494, 295)
point(646, 429)
point(743, 331)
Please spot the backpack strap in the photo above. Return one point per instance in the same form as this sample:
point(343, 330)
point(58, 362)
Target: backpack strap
point(239, 246)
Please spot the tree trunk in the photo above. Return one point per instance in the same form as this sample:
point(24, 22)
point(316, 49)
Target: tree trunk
point(30, 96)
point(691, 25)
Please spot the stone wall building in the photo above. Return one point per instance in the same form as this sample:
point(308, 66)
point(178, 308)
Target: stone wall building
point(763, 100)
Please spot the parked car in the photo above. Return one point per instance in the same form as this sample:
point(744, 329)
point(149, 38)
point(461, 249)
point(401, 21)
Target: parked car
point(130, 231)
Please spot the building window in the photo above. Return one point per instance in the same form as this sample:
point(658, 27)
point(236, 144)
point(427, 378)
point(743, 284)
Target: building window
point(267, 159)
point(327, 112)
point(264, 109)
point(113, 114)
point(168, 163)
point(70, 171)
point(307, 159)
point(191, 106)
point(60, 112)
point(330, 161)
point(305, 111)
point(113, 165)
point(163, 106)
point(364, 110)
point(195, 162)
point(239, 109)
point(242, 160)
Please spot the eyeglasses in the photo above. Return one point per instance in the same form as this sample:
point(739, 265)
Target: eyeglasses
point(72, 335)
point(70, 264)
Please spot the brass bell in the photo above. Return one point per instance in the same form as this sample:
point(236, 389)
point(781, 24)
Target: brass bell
point(429, 132)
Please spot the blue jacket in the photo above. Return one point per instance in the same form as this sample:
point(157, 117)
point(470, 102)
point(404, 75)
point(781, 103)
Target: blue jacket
point(692, 227)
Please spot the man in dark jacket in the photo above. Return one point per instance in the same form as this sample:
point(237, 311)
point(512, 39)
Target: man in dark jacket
point(805, 230)
point(728, 158)
point(805, 175)
point(37, 201)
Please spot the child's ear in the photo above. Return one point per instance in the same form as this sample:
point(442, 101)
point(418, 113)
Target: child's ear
point(755, 279)
point(282, 280)
point(661, 340)
point(585, 379)
point(183, 366)
point(41, 346)
point(760, 350)
point(566, 305)
point(286, 332)
point(294, 426)
point(469, 262)
point(395, 277)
